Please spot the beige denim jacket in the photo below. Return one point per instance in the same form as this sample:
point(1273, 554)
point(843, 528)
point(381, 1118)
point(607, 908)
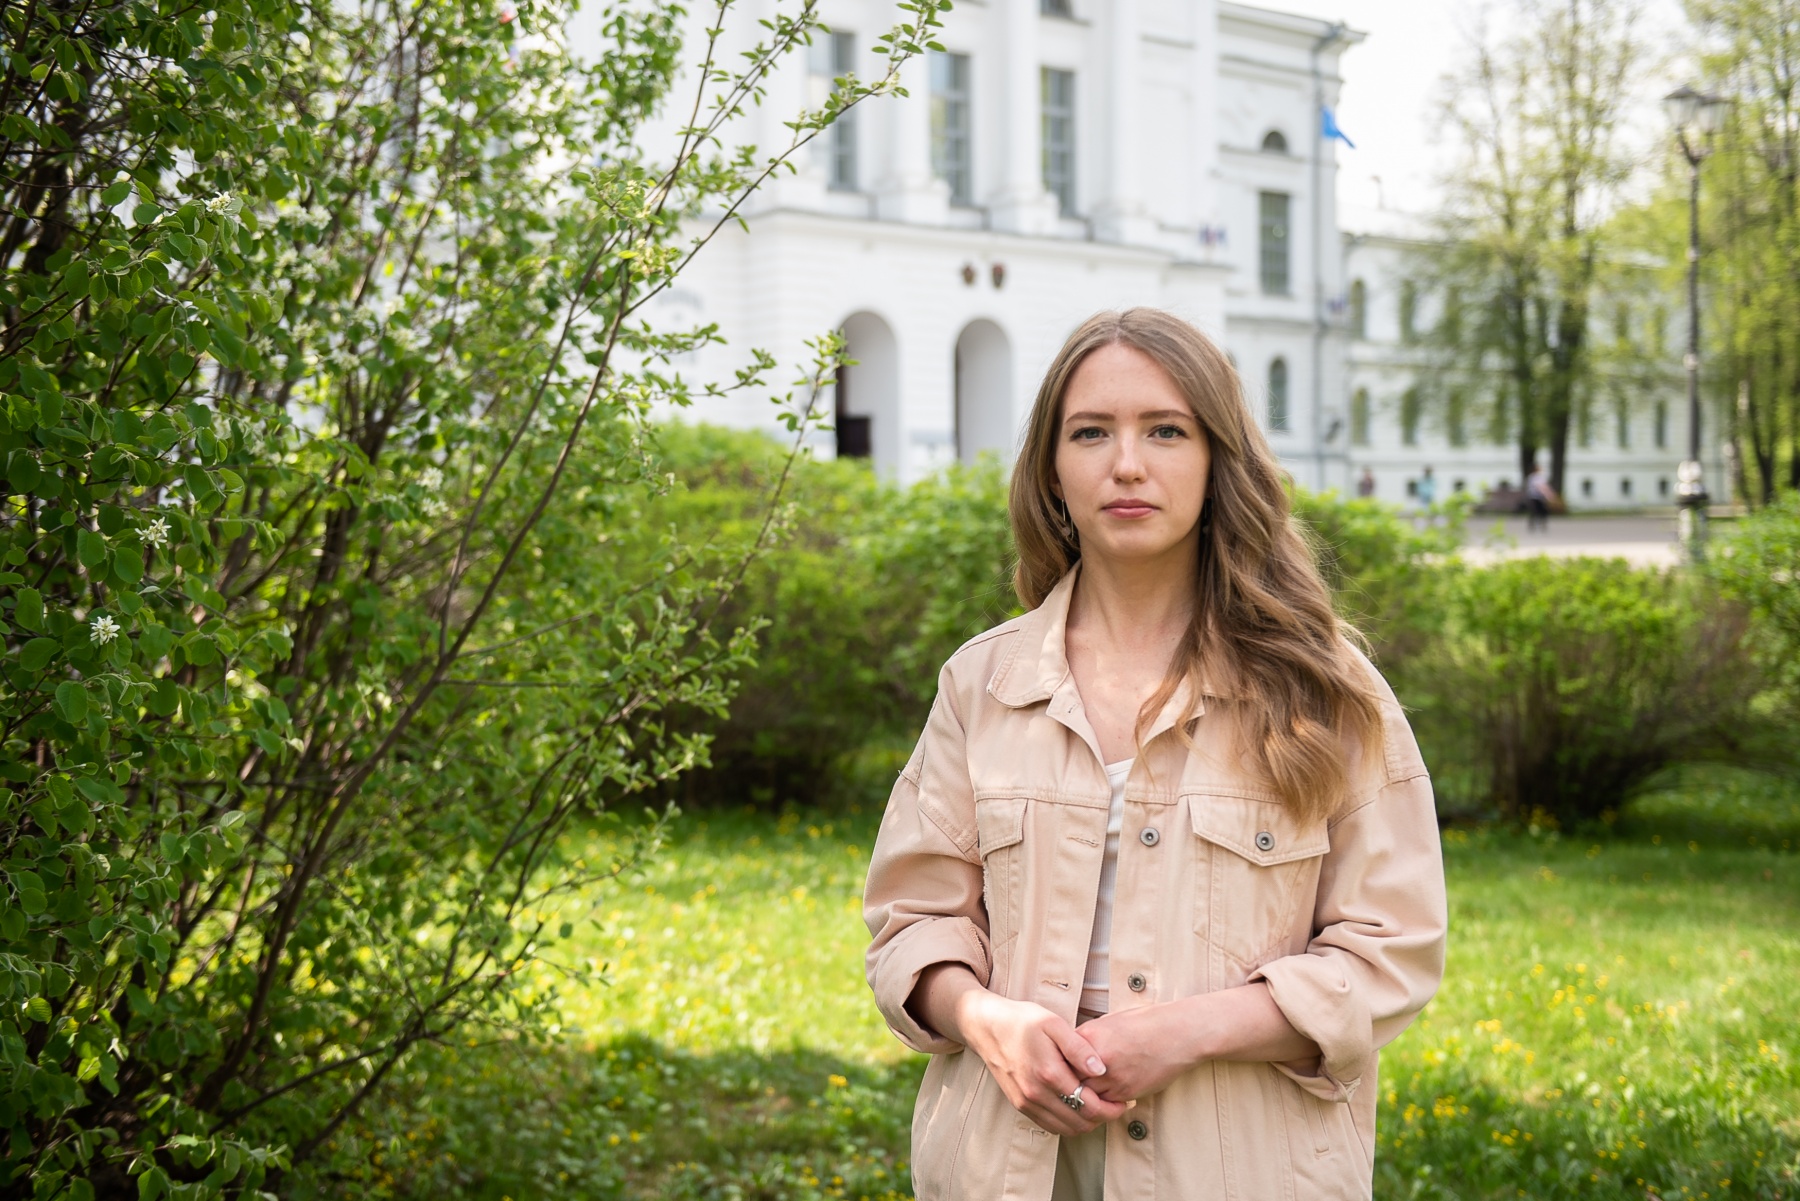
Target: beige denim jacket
point(990, 853)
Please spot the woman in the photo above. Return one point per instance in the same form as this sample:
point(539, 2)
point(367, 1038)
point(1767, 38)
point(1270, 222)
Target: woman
point(1163, 870)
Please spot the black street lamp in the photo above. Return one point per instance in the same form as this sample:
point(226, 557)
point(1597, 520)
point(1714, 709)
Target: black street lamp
point(1695, 116)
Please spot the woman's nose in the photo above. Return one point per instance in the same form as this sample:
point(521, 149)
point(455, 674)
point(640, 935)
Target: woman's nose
point(1128, 465)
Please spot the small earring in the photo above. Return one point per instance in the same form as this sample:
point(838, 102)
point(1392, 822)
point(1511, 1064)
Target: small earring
point(1067, 523)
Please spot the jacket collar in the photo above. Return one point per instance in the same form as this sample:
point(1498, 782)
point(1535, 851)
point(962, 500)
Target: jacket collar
point(1038, 666)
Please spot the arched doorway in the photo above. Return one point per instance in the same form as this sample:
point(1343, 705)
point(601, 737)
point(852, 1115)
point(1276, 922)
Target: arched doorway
point(984, 391)
point(866, 404)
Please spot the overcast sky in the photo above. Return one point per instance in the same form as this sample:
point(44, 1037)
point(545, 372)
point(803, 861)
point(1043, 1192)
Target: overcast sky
point(1392, 88)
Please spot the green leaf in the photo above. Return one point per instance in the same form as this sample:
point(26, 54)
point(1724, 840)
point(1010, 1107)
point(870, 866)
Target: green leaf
point(22, 471)
point(128, 564)
point(166, 699)
point(37, 653)
point(38, 1008)
point(154, 641)
point(99, 790)
point(116, 194)
point(199, 649)
point(28, 608)
point(145, 213)
point(90, 548)
point(75, 279)
point(71, 702)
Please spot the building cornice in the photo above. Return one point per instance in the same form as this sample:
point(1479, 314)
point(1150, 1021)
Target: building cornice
point(965, 240)
point(1304, 31)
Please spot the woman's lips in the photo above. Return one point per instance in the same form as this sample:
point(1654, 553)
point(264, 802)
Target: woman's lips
point(1130, 507)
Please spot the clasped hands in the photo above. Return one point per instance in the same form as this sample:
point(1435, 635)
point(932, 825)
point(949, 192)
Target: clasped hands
point(1037, 1058)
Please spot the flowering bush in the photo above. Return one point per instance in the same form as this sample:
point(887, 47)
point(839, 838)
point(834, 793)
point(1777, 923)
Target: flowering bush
point(323, 374)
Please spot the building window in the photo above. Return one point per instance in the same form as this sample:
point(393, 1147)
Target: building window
point(1625, 487)
point(1623, 416)
point(1359, 417)
point(1662, 425)
point(1587, 489)
point(1278, 395)
point(833, 56)
point(1059, 137)
point(1455, 419)
point(1409, 417)
point(1359, 310)
point(1662, 487)
point(1584, 422)
point(1274, 143)
point(1659, 331)
point(1272, 225)
point(950, 156)
point(1055, 8)
point(1409, 312)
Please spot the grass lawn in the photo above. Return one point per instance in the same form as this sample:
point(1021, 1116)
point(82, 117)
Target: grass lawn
point(1620, 1018)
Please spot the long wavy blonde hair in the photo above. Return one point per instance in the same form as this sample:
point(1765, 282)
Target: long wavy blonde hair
point(1263, 621)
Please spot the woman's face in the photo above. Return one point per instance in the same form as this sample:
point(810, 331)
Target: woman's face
point(1131, 458)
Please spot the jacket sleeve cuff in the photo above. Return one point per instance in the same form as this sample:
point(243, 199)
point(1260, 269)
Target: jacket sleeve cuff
point(1317, 999)
point(923, 945)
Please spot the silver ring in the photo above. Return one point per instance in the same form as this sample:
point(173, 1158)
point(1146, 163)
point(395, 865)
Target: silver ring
point(1073, 1100)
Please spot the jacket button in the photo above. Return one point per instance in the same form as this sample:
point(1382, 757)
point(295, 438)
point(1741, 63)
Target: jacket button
point(1149, 837)
point(1135, 982)
point(1265, 841)
point(1138, 1131)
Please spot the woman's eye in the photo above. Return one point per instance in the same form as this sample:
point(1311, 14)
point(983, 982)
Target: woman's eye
point(1086, 433)
point(1168, 431)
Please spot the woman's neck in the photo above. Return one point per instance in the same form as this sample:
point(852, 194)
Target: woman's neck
point(1136, 604)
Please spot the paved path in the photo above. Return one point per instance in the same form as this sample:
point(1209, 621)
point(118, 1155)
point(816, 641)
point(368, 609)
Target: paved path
point(1647, 541)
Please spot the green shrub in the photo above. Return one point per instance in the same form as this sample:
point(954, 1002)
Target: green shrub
point(1386, 570)
point(1757, 561)
point(867, 590)
point(1559, 687)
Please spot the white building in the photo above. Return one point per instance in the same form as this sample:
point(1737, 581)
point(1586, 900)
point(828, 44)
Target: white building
point(1406, 416)
point(1052, 162)
point(1065, 156)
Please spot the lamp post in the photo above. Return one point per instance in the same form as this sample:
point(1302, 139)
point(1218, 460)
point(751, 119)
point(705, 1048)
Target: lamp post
point(1695, 116)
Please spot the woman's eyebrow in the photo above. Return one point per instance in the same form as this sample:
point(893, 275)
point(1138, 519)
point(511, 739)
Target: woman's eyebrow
point(1152, 415)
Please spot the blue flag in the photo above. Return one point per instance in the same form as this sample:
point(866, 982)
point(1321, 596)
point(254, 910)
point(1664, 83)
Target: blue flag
point(1328, 127)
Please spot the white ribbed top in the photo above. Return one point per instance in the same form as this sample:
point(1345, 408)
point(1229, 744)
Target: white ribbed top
point(1094, 991)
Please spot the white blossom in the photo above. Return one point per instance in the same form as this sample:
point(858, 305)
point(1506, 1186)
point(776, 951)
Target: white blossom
point(431, 479)
point(104, 629)
point(156, 532)
point(219, 203)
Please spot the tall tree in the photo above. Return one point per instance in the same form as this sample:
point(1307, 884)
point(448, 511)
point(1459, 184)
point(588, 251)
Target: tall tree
point(1752, 224)
point(1537, 115)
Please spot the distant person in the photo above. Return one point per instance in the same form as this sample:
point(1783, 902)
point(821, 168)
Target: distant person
point(1162, 872)
point(1427, 492)
point(1365, 487)
point(1539, 496)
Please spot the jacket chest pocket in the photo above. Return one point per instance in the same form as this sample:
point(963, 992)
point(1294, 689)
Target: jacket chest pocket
point(1257, 870)
point(999, 831)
